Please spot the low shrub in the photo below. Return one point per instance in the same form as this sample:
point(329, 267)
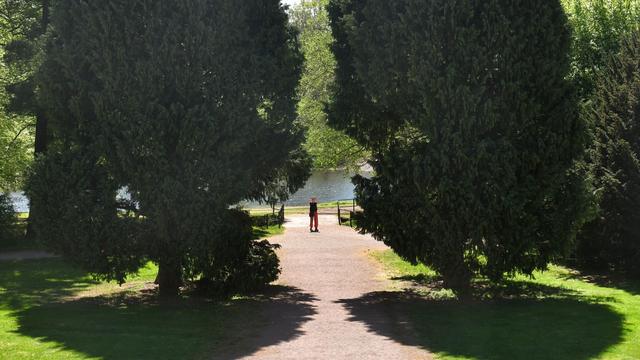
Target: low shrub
point(9, 229)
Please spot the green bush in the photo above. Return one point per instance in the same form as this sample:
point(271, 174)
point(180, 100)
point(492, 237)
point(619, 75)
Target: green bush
point(612, 240)
point(254, 265)
point(9, 230)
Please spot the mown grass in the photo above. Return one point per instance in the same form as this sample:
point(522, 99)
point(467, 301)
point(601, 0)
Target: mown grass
point(559, 314)
point(52, 310)
point(260, 232)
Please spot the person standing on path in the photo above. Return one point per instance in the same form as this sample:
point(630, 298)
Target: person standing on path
point(313, 215)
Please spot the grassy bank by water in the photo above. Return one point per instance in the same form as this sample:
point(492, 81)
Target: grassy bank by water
point(559, 314)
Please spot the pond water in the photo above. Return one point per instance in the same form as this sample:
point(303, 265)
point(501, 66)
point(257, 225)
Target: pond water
point(20, 202)
point(325, 185)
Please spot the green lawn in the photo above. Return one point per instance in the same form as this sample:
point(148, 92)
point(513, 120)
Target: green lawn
point(560, 314)
point(267, 232)
point(51, 310)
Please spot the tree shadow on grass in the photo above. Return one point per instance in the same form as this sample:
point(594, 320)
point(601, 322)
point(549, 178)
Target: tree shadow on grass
point(558, 326)
point(605, 279)
point(418, 279)
point(30, 282)
point(42, 298)
point(118, 327)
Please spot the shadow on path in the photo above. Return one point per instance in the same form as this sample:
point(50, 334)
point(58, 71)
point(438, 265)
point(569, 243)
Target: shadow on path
point(283, 311)
point(562, 327)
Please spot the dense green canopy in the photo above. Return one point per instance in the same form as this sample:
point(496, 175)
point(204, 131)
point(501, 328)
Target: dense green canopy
point(473, 126)
point(19, 28)
point(189, 105)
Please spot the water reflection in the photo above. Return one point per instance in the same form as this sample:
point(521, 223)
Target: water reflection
point(325, 185)
point(20, 202)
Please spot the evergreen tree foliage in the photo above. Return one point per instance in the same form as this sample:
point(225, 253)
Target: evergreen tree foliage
point(473, 127)
point(276, 187)
point(189, 105)
point(612, 240)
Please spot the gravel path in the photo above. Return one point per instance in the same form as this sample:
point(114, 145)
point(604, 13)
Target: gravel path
point(25, 255)
point(331, 267)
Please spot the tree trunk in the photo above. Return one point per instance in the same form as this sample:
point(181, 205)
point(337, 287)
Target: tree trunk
point(169, 279)
point(41, 135)
point(45, 15)
point(457, 277)
point(40, 148)
point(42, 123)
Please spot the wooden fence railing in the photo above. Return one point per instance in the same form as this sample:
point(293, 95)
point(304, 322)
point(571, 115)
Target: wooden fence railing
point(351, 212)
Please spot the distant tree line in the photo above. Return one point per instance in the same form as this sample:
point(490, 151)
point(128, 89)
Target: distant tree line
point(329, 148)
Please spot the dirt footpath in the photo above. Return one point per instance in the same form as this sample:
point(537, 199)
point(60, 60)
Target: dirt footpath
point(331, 267)
point(25, 255)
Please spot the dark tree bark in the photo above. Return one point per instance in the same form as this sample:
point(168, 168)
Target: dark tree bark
point(41, 119)
point(41, 136)
point(169, 279)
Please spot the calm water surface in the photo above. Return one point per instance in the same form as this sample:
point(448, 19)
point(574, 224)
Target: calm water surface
point(325, 185)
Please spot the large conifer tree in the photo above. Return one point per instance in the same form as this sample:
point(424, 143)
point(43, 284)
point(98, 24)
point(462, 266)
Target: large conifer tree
point(189, 105)
point(472, 123)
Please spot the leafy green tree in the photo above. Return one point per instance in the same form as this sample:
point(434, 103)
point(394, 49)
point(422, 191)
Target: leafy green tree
point(16, 151)
point(329, 148)
point(473, 127)
point(18, 21)
point(612, 240)
point(598, 27)
point(187, 104)
point(26, 21)
point(29, 22)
